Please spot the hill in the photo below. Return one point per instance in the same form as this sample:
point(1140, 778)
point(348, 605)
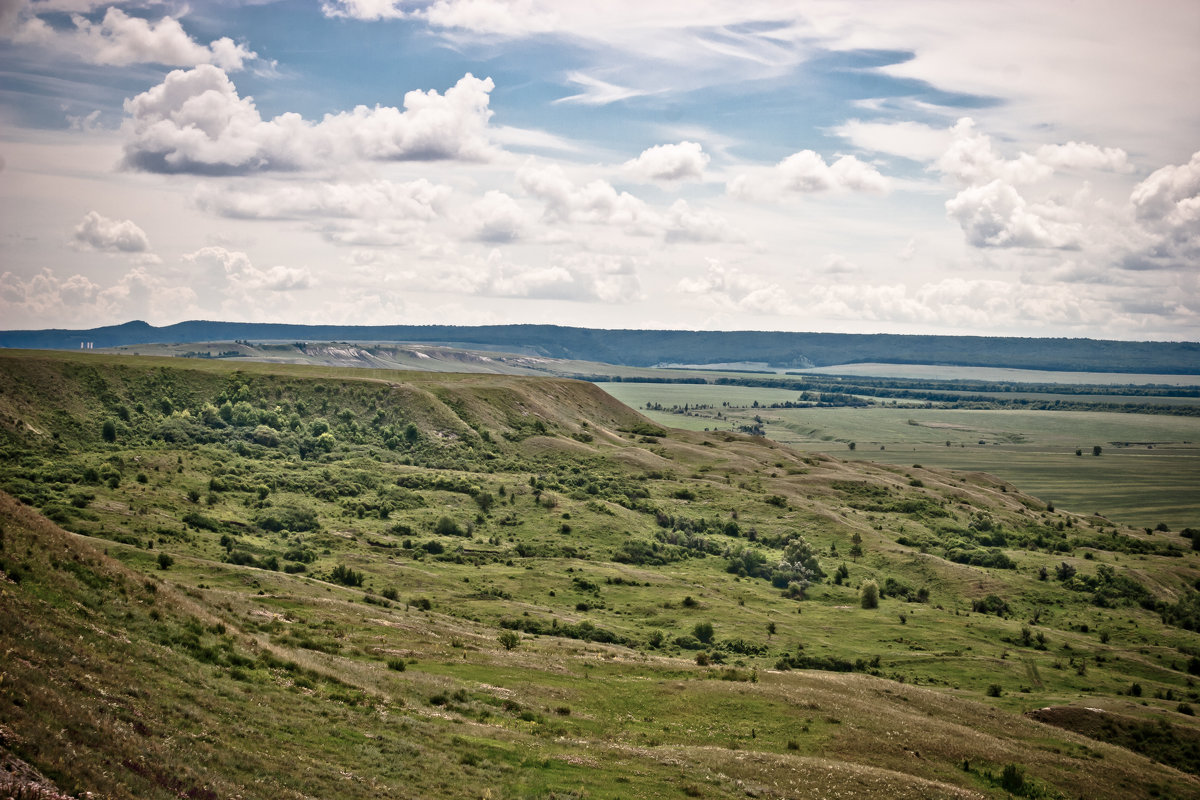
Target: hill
point(650, 347)
point(267, 580)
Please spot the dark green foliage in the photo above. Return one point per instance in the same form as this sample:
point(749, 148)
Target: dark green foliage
point(346, 576)
point(869, 594)
point(289, 518)
point(108, 431)
point(703, 632)
point(992, 604)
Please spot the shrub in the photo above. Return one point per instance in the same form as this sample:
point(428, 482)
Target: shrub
point(1012, 779)
point(108, 431)
point(869, 595)
point(346, 576)
point(994, 690)
point(509, 639)
point(165, 561)
point(397, 664)
point(703, 632)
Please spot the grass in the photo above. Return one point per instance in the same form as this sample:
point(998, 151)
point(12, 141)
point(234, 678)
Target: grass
point(1146, 474)
point(401, 685)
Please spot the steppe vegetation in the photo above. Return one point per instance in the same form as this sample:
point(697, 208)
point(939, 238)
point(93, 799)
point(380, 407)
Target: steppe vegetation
point(235, 579)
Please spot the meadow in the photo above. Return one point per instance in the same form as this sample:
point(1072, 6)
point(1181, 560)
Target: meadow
point(1148, 471)
point(289, 581)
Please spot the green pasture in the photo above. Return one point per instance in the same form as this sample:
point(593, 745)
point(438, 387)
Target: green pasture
point(1148, 471)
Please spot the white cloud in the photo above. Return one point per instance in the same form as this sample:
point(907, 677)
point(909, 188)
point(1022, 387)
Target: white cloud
point(378, 199)
point(908, 139)
point(1170, 194)
point(730, 289)
point(579, 277)
point(996, 215)
point(498, 218)
point(363, 9)
point(1167, 209)
point(971, 160)
point(971, 305)
point(599, 203)
point(118, 39)
point(669, 162)
point(1081, 155)
point(136, 295)
point(194, 121)
point(597, 92)
point(806, 172)
point(109, 235)
point(235, 269)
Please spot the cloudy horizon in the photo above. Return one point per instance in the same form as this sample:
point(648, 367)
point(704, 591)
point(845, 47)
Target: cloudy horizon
point(926, 167)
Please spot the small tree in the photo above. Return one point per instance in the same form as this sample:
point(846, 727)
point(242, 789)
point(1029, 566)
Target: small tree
point(108, 431)
point(165, 561)
point(703, 631)
point(870, 594)
point(1096, 450)
point(509, 639)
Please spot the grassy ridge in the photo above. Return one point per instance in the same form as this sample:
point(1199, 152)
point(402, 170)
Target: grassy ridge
point(345, 599)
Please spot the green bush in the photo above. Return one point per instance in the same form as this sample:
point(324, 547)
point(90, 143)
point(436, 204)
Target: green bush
point(869, 594)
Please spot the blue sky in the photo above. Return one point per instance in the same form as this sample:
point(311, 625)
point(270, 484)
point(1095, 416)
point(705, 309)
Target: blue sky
point(1009, 168)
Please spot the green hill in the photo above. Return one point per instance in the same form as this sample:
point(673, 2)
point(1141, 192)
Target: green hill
point(259, 580)
point(642, 348)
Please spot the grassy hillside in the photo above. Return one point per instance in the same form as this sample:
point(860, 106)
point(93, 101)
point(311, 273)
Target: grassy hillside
point(259, 580)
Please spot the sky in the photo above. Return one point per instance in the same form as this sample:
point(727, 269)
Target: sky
point(1015, 168)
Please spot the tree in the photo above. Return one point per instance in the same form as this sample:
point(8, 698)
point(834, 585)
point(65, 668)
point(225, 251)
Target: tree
point(509, 639)
point(703, 631)
point(1096, 450)
point(770, 629)
point(870, 594)
point(109, 431)
point(165, 561)
point(852, 445)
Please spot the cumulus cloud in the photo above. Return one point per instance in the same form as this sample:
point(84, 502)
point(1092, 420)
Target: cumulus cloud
point(363, 9)
point(408, 200)
point(498, 218)
point(806, 172)
point(195, 122)
point(726, 288)
point(579, 277)
point(139, 294)
point(98, 232)
point(996, 215)
point(493, 17)
point(1166, 207)
point(119, 39)
point(998, 204)
point(669, 162)
point(235, 269)
point(972, 160)
point(599, 203)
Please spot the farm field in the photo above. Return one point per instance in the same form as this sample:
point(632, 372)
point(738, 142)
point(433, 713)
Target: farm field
point(1148, 472)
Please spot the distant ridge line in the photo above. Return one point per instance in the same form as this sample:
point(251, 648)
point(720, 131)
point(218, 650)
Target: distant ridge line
point(642, 348)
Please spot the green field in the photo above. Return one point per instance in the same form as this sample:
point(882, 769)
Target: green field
point(1149, 470)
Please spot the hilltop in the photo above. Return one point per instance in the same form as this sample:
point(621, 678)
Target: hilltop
point(644, 348)
point(246, 579)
